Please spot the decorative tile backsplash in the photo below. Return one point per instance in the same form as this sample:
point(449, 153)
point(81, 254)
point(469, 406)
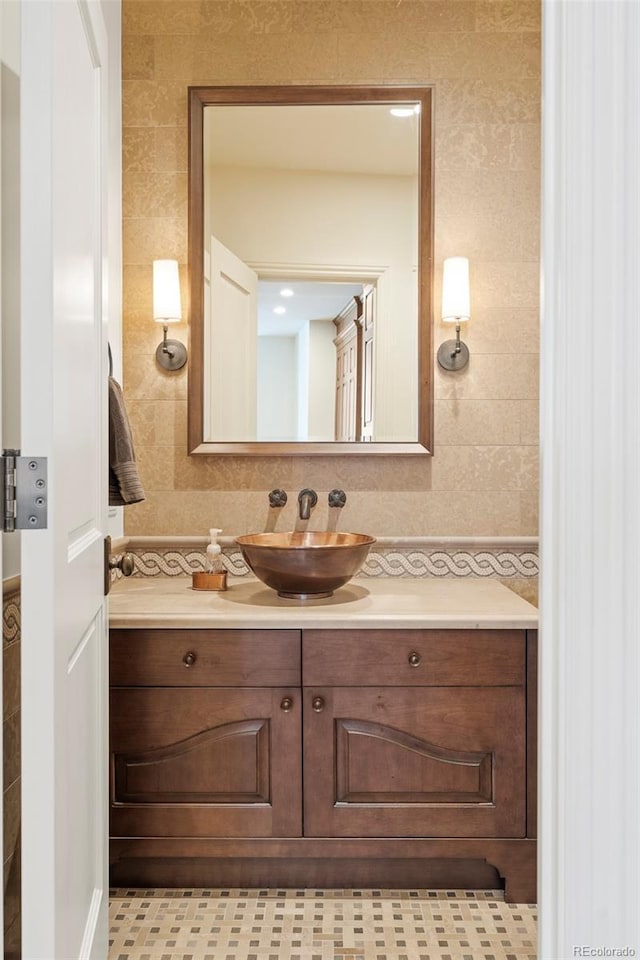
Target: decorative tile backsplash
point(462, 563)
point(416, 563)
point(505, 558)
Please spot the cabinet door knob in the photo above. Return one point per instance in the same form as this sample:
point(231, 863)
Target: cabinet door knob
point(189, 659)
point(317, 704)
point(414, 659)
point(286, 704)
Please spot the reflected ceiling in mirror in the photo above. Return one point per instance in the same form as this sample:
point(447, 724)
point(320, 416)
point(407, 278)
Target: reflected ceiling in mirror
point(310, 239)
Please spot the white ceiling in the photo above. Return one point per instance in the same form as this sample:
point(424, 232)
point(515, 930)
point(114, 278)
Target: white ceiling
point(312, 300)
point(351, 138)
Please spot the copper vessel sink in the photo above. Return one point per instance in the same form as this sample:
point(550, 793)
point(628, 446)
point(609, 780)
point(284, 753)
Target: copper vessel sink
point(305, 565)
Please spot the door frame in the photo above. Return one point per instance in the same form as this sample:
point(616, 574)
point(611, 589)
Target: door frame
point(590, 524)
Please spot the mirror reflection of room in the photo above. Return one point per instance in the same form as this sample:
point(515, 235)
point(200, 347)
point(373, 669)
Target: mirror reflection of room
point(320, 201)
point(314, 355)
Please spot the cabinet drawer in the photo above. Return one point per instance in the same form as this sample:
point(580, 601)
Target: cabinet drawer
point(204, 658)
point(413, 658)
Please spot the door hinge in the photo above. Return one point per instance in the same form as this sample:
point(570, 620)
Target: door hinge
point(24, 492)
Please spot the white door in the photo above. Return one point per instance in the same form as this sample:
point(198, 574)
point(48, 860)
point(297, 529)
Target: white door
point(231, 331)
point(64, 380)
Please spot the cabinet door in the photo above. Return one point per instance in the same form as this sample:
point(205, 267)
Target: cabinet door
point(205, 762)
point(407, 761)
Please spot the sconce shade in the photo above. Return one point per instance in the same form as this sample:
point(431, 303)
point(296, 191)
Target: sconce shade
point(171, 354)
point(166, 292)
point(454, 354)
point(455, 290)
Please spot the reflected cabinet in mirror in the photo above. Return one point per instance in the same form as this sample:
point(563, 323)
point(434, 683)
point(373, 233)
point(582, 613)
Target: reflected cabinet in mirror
point(310, 270)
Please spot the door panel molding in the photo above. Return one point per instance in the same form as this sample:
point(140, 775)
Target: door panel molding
point(247, 743)
point(421, 768)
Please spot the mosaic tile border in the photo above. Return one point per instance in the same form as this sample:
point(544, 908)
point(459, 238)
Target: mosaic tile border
point(411, 558)
point(11, 611)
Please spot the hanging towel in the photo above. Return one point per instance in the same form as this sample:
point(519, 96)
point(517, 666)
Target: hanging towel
point(124, 483)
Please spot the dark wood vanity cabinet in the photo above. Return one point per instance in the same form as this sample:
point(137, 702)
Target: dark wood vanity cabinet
point(317, 757)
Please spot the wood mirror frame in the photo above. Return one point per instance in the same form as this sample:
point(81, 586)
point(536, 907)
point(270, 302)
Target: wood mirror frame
point(201, 97)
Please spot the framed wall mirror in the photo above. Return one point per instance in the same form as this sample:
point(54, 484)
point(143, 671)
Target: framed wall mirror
point(310, 270)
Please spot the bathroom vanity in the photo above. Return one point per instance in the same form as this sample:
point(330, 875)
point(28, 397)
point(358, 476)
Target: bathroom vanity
point(383, 737)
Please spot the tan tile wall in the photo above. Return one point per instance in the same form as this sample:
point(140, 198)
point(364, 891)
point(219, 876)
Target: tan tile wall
point(483, 58)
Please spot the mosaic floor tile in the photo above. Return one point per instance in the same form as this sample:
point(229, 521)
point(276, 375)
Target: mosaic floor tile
point(319, 925)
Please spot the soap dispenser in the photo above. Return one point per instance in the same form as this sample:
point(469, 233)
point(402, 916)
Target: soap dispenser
point(215, 576)
point(214, 554)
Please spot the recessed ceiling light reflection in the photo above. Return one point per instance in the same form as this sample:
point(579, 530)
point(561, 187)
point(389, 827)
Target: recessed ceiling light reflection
point(405, 111)
point(279, 310)
point(286, 292)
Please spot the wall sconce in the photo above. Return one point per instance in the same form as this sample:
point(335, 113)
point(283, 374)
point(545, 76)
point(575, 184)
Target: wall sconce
point(171, 354)
point(454, 354)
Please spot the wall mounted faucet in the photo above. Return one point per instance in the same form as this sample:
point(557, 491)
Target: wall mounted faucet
point(307, 499)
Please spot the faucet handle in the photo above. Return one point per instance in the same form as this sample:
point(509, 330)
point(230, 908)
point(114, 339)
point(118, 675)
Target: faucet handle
point(277, 498)
point(337, 498)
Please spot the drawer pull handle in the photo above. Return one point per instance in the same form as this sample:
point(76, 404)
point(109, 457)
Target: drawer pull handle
point(415, 659)
point(189, 659)
point(287, 704)
point(317, 704)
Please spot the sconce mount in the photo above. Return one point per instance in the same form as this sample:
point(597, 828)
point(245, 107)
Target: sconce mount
point(453, 354)
point(171, 354)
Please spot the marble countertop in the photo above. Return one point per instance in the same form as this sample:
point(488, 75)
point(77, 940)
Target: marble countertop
point(364, 603)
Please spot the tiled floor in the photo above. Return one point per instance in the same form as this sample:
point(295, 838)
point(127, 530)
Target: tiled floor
point(319, 925)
